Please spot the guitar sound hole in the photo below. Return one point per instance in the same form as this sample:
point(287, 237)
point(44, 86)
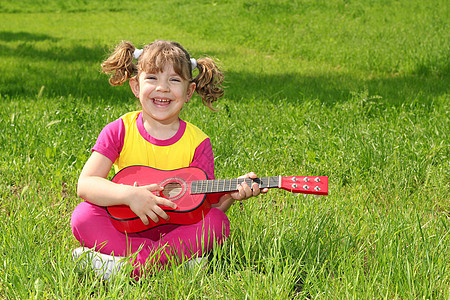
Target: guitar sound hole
point(172, 189)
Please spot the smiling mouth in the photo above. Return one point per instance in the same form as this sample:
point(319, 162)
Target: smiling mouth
point(162, 102)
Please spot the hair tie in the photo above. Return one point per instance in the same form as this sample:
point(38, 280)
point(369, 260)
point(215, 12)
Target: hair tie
point(193, 63)
point(137, 53)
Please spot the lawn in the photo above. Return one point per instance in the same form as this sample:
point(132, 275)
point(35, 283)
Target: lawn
point(354, 90)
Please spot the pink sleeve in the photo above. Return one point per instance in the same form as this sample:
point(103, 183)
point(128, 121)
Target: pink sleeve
point(110, 140)
point(204, 159)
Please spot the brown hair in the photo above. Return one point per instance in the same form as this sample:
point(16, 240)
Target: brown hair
point(155, 56)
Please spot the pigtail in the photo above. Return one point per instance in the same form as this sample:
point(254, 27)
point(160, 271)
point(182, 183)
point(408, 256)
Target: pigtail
point(209, 81)
point(120, 64)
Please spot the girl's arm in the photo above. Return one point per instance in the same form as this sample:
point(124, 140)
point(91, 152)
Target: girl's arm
point(244, 192)
point(95, 188)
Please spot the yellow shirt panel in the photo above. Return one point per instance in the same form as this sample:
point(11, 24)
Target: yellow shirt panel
point(137, 150)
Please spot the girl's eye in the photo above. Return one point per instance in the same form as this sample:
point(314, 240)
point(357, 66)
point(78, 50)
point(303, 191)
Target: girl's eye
point(176, 79)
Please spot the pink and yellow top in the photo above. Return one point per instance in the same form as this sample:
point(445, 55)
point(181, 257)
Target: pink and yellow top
point(126, 142)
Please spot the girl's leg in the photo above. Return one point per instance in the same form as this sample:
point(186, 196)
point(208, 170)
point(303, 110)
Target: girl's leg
point(92, 227)
point(186, 241)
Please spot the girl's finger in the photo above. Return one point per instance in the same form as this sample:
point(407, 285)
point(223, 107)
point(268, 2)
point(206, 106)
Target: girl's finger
point(238, 195)
point(153, 217)
point(153, 187)
point(144, 219)
point(251, 175)
point(247, 191)
point(160, 212)
point(255, 188)
point(165, 202)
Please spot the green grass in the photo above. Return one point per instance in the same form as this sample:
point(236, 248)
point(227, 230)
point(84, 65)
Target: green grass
point(354, 90)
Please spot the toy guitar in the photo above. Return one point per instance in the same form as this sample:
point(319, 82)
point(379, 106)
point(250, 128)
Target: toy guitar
point(188, 187)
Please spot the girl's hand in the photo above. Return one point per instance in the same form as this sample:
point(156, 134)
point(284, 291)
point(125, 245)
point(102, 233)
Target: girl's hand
point(245, 191)
point(146, 205)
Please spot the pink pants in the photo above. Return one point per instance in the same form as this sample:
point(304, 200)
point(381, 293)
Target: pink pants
point(92, 227)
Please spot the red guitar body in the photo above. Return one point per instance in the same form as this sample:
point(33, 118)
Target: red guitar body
point(190, 207)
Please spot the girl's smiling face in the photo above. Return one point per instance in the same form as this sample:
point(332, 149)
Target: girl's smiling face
point(162, 94)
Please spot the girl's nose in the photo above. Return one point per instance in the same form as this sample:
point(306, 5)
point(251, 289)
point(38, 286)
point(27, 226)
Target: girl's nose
point(162, 86)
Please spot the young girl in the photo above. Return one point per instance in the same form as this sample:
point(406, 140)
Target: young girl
point(156, 137)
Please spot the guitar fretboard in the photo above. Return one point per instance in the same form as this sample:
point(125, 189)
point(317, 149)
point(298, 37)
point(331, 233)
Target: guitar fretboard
point(230, 185)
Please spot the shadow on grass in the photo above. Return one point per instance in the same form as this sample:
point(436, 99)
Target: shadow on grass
point(9, 36)
point(75, 70)
point(334, 88)
point(25, 48)
point(62, 70)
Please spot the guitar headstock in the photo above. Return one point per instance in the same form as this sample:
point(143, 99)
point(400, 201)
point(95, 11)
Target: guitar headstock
point(317, 185)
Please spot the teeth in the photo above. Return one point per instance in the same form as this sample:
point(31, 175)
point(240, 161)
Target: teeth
point(161, 100)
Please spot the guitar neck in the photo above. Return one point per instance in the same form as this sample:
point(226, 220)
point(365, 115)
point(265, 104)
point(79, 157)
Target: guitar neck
point(230, 185)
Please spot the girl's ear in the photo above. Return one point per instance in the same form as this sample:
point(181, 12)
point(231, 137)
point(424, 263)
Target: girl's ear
point(190, 91)
point(134, 84)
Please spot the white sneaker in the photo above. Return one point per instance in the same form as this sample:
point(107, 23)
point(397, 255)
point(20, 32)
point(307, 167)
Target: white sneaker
point(103, 265)
point(197, 262)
